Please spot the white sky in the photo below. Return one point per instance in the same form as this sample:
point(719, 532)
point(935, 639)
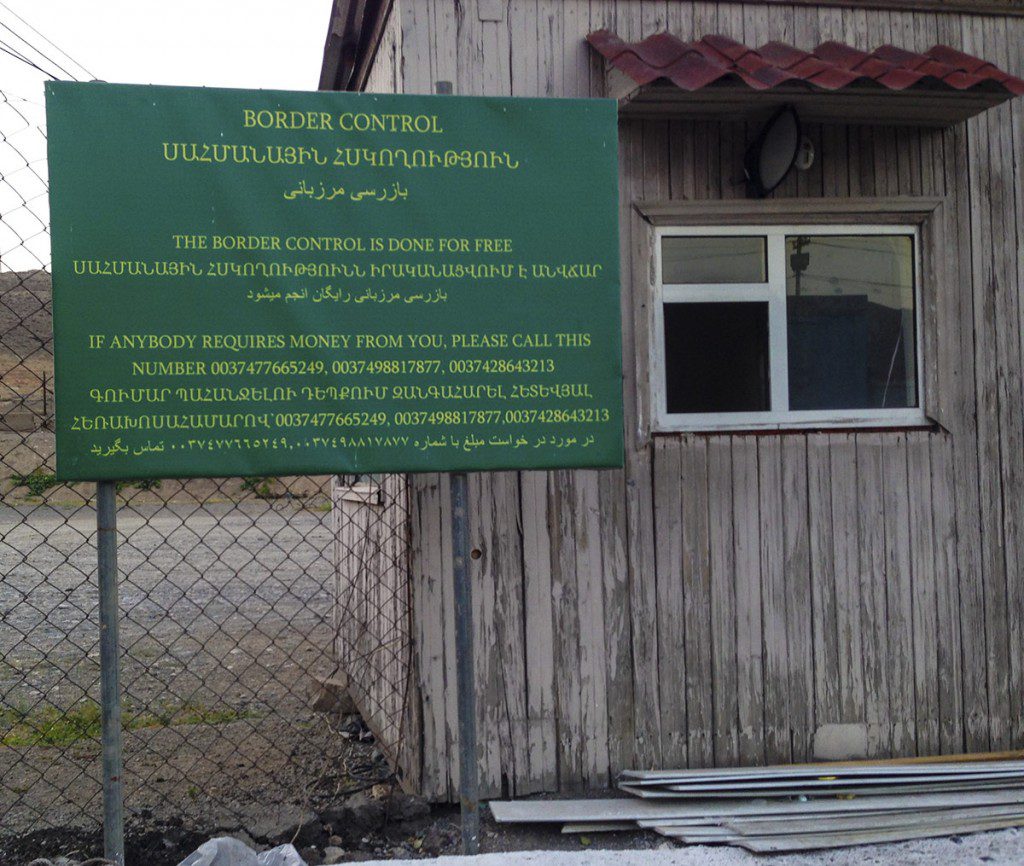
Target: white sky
point(216, 43)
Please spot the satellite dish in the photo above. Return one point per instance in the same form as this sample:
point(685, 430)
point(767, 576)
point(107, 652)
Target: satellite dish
point(772, 154)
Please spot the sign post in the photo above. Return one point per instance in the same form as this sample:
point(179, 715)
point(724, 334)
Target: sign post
point(110, 675)
point(469, 797)
point(277, 283)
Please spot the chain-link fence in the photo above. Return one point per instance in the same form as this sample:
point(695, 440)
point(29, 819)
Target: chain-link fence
point(239, 598)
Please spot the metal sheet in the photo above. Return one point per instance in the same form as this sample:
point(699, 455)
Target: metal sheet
point(648, 813)
point(870, 821)
point(782, 844)
point(815, 771)
point(739, 794)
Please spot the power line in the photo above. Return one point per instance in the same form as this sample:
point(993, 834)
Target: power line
point(48, 41)
point(7, 50)
point(37, 51)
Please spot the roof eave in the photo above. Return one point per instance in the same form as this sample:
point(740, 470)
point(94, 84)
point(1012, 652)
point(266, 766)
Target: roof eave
point(353, 36)
point(923, 107)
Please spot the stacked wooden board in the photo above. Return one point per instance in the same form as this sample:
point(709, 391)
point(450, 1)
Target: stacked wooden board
point(799, 807)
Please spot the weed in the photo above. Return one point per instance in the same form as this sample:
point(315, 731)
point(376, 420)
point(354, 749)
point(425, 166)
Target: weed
point(51, 726)
point(38, 481)
point(257, 484)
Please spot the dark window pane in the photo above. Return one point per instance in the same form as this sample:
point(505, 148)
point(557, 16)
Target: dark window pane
point(850, 316)
point(716, 357)
point(713, 260)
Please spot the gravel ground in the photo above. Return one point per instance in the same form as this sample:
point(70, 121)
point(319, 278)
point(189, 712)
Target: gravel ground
point(1003, 848)
point(227, 616)
point(223, 603)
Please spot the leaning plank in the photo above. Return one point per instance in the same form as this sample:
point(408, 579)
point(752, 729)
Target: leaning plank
point(699, 835)
point(780, 844)
point(598, 827)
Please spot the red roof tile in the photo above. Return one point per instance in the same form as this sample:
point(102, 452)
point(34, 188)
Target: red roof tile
point(830, 66)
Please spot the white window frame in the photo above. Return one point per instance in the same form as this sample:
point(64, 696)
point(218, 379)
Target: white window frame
point(774, 293)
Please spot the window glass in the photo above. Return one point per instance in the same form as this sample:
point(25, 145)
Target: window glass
point(713, 260)
point(716, 357)
point(850, 321)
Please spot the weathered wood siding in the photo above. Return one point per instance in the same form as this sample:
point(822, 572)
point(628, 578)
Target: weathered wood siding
point(373, 638)
point(728, 599)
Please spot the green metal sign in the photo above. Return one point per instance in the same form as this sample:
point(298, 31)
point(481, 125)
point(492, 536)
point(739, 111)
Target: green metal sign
point(267, 283)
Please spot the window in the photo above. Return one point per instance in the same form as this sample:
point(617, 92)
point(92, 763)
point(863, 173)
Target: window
point(786, 326)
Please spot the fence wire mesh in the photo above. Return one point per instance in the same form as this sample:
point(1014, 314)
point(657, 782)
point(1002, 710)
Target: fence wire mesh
point(239, 598)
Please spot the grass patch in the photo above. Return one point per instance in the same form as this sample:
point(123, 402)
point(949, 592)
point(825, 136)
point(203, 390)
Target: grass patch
point(259, 485)
point(50, 726)
point(37, 481)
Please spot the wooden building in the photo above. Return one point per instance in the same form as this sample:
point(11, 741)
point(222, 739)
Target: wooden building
point(816, 545)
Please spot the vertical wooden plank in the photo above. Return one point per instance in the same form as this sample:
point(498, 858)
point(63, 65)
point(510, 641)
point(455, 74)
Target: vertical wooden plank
point(830, 25)
point(950, 664)
point(724, 688)
point(679, 20)
point(566, 629)
point(639, 509)
point(416, 59)
point(485, 573)
point(617, 621)
point(730, 20)
point(799, 594)
point(508, 665)
point(697, 601)
point(898, 593)
point(923, 592)
point(747, 543)
point(777, 719)
point(961, 418)
point(538, 626)
point(592, 651)
point(444, 26)
point(986, 373)
point(755, 22)
point(617, 494)
point(1005, 254)
point(827, 684)
point(670, 600)
point(522, 21)
point(939, 376)
point(428, 577)
point(705, 19)
point(653, 17)
point(871, 533)
point(1013, 37)
point(447, 591)
point(846, 564)
point(969, 513)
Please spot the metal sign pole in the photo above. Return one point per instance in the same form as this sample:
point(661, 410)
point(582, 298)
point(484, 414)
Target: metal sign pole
point(110, 687)
point(465, 685)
